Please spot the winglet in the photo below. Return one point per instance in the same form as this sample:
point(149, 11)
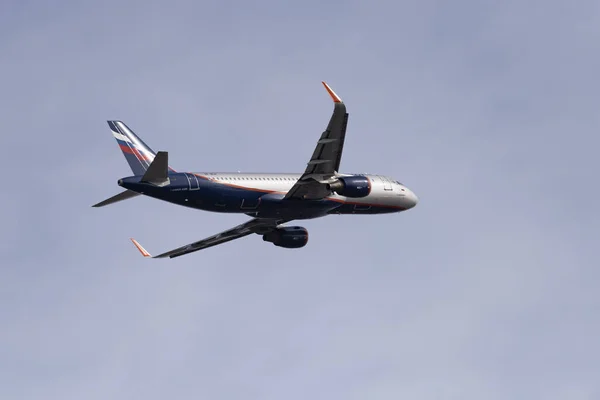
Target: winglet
point(140, 248)
point(334, 97)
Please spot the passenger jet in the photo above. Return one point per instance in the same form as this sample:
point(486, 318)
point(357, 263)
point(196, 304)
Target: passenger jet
point(272, 200)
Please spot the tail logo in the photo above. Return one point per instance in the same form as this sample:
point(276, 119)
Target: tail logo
point(136, 152)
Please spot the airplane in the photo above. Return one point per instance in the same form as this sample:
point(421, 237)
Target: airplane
point(271, 199)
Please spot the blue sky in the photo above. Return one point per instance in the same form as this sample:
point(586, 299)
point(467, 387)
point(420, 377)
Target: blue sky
point(488, 288)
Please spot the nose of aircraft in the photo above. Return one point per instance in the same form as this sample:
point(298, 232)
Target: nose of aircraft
point(411, 198)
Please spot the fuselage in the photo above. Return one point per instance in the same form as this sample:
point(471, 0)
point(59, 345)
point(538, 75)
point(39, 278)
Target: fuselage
point(262, 195)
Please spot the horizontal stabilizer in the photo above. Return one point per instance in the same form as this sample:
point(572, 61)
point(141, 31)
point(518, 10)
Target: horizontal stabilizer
point(128, 194)
point(158, 171)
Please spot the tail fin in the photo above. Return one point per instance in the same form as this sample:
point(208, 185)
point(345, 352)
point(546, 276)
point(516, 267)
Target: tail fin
point(136, 152)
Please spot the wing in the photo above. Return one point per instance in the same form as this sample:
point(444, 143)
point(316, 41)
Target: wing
point(325, 161)
point(256, 225)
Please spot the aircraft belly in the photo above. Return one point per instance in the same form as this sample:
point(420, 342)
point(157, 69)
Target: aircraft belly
point(275, 206)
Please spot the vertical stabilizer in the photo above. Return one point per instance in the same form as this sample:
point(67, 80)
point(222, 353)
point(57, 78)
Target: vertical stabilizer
point(136, 152)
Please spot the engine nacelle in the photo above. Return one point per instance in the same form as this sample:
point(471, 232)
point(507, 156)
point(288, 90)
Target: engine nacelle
point(290, 237)
point(351, 186)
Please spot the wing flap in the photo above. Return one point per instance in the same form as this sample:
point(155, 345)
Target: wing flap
point(327, 155)
point(326, 158)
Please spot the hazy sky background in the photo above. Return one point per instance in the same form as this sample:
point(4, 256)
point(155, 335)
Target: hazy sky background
point(487, 289)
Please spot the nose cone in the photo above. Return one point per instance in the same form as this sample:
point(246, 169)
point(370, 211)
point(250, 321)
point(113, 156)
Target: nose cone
point(411, 198)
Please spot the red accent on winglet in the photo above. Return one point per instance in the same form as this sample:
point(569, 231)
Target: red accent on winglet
point(334, 97)
point(140, 248)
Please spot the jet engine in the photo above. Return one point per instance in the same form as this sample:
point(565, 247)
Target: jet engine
point(351, 186)
point(290, 237)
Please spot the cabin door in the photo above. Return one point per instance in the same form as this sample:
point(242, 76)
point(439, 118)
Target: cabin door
point(193, 181)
